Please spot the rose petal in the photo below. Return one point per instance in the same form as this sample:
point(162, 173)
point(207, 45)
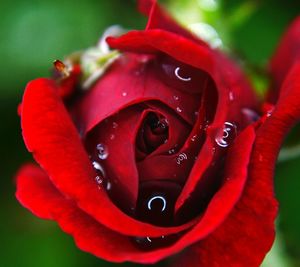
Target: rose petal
point(248, 233)
point(118, 135)
point(130, 82)
point(51, 136)
point(229, 81)
point(178, 129)
point(160, 19)
point(36, 192)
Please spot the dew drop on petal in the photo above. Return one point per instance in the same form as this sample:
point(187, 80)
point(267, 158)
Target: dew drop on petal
point(124, 94)
point(102, 151)
point(108, 186)
point(194, 138)
point(98, 168)
point(229, 133)
point(100, 177)
point(171, 151)
point(181, 158)
point(269, 113)
point(150, 243)
point(99, 180)
point(114, 125)
point(180, 77)
point(250, 114)
point(176, 97)
point(178, 109)
point(157, 199)
point(231, 96)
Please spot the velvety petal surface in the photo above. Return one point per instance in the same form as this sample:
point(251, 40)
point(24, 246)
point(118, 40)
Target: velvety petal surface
point(238, 241)
point(52, 138)
point(36, 192)
point(131, 80)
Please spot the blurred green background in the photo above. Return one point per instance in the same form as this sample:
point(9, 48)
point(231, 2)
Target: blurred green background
point(34, 32)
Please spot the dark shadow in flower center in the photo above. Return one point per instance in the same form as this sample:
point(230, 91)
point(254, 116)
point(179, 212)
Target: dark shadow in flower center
point(153, 133)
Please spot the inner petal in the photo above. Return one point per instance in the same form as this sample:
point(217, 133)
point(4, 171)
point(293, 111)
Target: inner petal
point(111, 146)
point(153, 133)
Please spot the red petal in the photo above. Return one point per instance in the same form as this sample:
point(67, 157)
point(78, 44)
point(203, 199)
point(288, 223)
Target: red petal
point(287, 53)
point(35, 192)
point(51, 136)
point(38, 194)
point(248, 233)
point(229, 81)
point(129, 82)
point(160, 19)
point(118, 134)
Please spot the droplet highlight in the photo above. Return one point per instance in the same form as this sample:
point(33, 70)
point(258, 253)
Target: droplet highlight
point(102, 151)
point(181, 157)
point(178, 109)
point(184, 79)
point(157, 198)
point(229, 133)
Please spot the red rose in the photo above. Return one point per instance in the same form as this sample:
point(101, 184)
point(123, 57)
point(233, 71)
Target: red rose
point(168, 149)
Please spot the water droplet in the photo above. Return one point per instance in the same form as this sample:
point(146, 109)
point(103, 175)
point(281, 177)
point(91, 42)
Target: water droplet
point(143, 240)
point(114, 125)
point(175, 97)
point(231, 97)
point(181, 157)
point(156, 199)
point(102, 151)
point(194, 137)
point(124, 94)
point(184, 79)
point(250, 114)
point(229, 133)
point(171, 151)
point(108, 185)
point(150, 243)
point(98, 168)
point(112, 137)
point(196, 113)
point(178, 109)
point(99, 180)
point(163, 123)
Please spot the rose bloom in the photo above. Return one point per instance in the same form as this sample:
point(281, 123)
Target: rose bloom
point(163, 147)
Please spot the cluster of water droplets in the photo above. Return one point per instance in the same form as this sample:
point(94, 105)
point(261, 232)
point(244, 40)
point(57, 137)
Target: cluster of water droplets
point(100, 178)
